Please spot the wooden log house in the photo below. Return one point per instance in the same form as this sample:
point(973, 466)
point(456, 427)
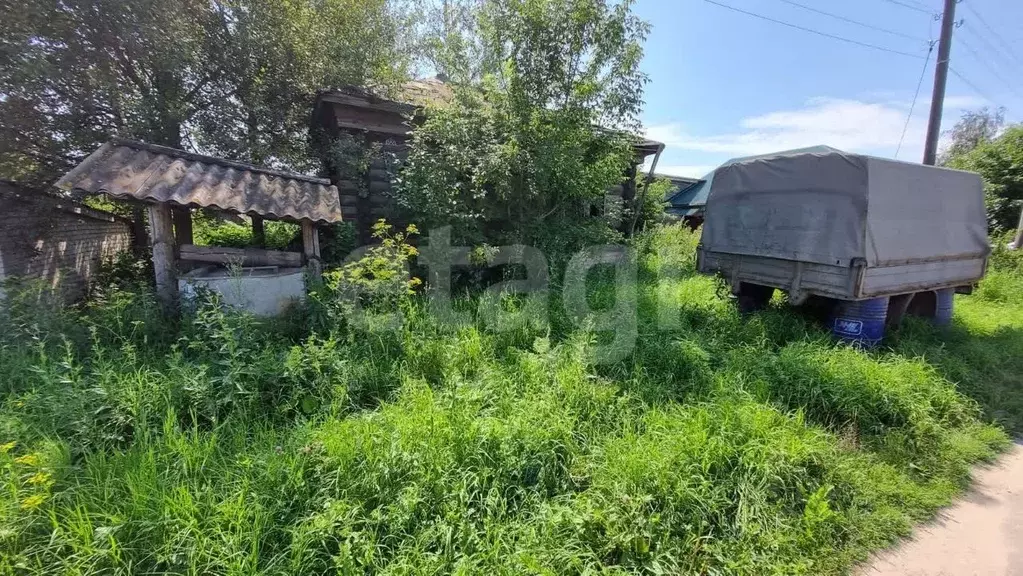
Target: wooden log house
point(386, 124)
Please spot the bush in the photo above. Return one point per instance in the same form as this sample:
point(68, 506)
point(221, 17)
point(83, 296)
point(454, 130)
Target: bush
point(997, 160)
point(1004, 279)
point(380, 278)
point(336, 242)
point(654, 200)
point(208, 230)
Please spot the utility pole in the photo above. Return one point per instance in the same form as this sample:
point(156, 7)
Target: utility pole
point(948, 17)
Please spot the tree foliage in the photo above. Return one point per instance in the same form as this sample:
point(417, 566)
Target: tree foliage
point(1000, 163)
point(972, 130)
point(655, 200)
point(231, 77)
point(545, 92)
point(279, 54)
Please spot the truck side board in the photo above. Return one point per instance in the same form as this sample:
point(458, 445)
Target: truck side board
point(916, 276)
point(820, 279)
point(841, 282)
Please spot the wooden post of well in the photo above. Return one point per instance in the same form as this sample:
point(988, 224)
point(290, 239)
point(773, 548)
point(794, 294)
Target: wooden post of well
point(311, 247)
point(162, 240)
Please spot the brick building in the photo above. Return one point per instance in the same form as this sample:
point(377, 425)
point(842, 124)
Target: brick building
point(56, 240)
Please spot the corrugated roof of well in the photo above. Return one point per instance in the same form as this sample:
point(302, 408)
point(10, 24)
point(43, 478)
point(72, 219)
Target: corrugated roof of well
point(128, 169)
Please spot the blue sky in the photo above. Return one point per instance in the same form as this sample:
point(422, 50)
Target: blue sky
point(725, 84)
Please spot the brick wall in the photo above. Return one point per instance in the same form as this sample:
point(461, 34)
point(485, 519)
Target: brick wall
point(60, 242)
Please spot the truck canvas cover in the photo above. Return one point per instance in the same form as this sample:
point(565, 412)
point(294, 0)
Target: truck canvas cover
point(830, 207)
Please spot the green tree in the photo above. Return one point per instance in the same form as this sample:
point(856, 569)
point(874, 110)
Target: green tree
point(546, 92)
point(1000, 163)
point(232, 77)
point(76, 72)
point(278, 55)
point(972, 130)
point(655, 200)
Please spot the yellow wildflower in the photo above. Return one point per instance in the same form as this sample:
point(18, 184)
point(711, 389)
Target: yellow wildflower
point(39, 478)
point(5, 448)
point(32, 501)
point(28, 459)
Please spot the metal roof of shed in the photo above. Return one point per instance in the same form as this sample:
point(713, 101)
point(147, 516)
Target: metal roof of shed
point(128, 169)
point(679, 183)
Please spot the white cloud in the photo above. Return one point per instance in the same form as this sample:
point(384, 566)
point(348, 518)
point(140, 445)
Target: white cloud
point(848, 124)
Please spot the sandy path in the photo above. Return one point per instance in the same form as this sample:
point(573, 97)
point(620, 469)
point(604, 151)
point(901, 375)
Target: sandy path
point(981, 534)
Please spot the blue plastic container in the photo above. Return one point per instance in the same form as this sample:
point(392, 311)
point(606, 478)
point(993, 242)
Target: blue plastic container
point(945, 299)
point(860, 322)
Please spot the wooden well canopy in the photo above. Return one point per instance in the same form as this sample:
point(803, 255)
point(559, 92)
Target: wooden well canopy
point(166, 178)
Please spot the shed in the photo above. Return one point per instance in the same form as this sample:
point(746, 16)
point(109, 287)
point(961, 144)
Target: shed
point(165, 178)
point(377, 122)
point(678, 184)
point(55, 240)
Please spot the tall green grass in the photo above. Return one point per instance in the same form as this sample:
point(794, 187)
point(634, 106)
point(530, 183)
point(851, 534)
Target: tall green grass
point(222, 444)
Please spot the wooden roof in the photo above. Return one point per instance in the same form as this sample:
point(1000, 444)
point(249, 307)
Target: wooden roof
point(408, 97)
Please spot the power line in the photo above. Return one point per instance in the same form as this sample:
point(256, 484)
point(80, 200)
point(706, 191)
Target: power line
point(916, 95)
point(995, 52)
point(851, 21)
point(817, 32)
point(917, 7)
point(989, 46)
point(996, 35)
point(972, 85)
point(988, 65)
point(921, 5)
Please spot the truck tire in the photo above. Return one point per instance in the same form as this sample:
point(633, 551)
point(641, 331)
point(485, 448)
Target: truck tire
point(897, 307)
point(923, 304)
point(818, 308)
point(753, 297)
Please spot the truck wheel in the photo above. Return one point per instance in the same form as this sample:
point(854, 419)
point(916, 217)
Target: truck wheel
point(818, 308)
point(897, 306)
point(923, 304)
point(753, 297)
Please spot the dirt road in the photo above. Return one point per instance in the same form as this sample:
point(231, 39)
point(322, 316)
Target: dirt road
point(981, 535)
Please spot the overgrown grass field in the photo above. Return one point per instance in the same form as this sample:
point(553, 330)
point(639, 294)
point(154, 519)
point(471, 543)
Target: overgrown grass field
point(723, 445)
